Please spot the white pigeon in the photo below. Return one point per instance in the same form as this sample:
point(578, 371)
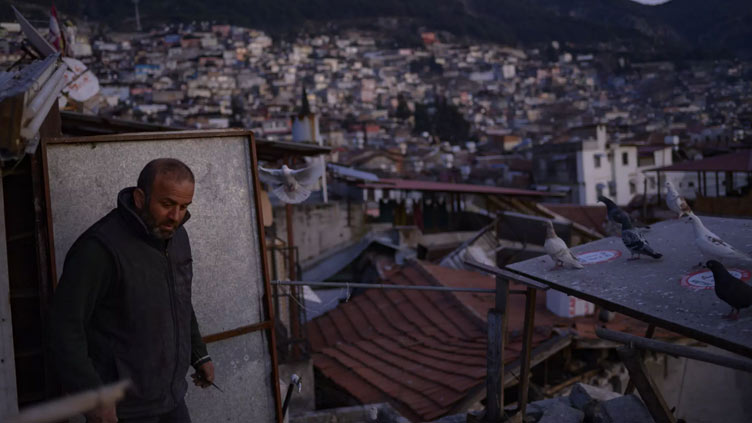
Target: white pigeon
point(676, 202)
point(292, 186)
point(712, 246)
point(557, 249)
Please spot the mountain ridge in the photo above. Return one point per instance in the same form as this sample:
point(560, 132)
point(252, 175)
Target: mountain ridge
point(676, 29)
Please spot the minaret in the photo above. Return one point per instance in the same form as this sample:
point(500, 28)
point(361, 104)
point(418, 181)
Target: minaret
point(138, 17)
point(305, 128)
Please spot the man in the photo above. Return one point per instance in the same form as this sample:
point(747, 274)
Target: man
point(122, 309)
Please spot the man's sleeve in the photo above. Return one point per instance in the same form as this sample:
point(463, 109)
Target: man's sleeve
point(199, 354)
point(87, 274)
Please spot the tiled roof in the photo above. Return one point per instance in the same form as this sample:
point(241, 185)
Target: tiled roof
point(739, 161)
point(425, 352)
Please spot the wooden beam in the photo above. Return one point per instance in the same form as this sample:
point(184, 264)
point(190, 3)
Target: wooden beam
point(527, 344)
point(72, 405)
point(648, 334)
point(675, 350)
point(497, 326)
point(649, 393)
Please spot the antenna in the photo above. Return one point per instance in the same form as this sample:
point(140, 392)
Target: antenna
point(138, 17)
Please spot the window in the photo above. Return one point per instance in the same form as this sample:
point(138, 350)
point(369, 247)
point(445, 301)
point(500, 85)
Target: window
point(599, 190)
point(597, 161)
point(652, 182)
point(632, 187)
point(625, 159)
point(691, 184)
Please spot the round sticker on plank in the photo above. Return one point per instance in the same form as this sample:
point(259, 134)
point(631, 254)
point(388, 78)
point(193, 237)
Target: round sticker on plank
point(703, 279)
point(598, 256)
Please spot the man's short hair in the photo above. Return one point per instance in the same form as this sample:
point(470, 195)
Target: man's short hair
point(172, 168)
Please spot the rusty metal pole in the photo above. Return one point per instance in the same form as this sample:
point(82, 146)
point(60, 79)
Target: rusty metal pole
point(294, 309)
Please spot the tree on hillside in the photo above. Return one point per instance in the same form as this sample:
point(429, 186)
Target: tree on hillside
point(443, 120)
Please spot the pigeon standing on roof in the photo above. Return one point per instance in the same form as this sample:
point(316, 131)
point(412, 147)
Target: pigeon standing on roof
point(733, 291)
point(615, 214)
point(676, 202)
point(636, 242)
point(557, 249)
point(712, 246)
point(292, 185)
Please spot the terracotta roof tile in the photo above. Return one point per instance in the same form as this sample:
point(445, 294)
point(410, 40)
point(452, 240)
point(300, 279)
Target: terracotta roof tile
point(424, 351)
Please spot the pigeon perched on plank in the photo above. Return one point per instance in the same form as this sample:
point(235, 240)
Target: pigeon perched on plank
point(557, 249)
point(676, 202)
point(636, 242)
point(615, 214)
point(712, 246)
point(733, 291)
point(292, 185)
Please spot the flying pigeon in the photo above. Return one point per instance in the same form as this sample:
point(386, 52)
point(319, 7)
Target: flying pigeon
point(712, 246)
point(676, 202)
point(292, 185)
point(635, 241)
point(557, 249)
point(615, 214)
point(733, 291)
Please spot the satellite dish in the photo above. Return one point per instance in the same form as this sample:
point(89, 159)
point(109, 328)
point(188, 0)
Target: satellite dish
point(34, 37)
point(80, 83)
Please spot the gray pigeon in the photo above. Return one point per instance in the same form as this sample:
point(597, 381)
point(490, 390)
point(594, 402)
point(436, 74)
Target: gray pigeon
point(733, 291)
point(615, 214)
point(635, 241)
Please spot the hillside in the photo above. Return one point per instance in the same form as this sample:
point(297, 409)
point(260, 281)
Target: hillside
point(681, 27)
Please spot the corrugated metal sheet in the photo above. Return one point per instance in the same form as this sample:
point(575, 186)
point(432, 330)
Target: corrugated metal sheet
point(410, 185)
point(352, 173)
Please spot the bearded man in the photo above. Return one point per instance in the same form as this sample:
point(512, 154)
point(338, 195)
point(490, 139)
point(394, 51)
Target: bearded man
point(122, 308)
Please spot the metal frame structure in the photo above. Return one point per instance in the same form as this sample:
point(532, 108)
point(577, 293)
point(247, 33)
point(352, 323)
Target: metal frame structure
point(268, 323)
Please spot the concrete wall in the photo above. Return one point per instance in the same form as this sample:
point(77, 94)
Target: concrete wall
point(703, 392)
point(319, 228)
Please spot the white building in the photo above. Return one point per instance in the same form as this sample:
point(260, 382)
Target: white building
point(593, 166)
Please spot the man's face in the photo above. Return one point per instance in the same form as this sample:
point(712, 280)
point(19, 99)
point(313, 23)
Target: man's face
point(167, 205)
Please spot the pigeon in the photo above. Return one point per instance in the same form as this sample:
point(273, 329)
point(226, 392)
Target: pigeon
point(676, 202)
point(615, 214)
point(732, 291)
point(635, 241)
point(292, 186)
point(712, 246)
point(557, 249)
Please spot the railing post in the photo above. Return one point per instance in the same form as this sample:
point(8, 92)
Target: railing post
point(527, 345)
point(497, 326)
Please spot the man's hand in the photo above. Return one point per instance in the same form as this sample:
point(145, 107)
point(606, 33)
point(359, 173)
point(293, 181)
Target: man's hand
point(104, 414)
point(204, 376)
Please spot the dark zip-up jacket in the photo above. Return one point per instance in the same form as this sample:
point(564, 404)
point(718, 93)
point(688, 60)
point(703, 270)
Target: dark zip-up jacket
point(122, 310)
